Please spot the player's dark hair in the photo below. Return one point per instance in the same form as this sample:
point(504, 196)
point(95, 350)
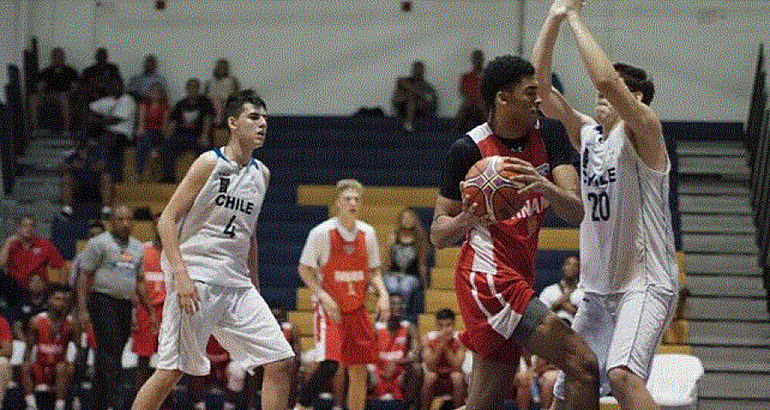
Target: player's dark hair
point(235, 103)
point(502, 73)
point(443, 314)
point(636, 80)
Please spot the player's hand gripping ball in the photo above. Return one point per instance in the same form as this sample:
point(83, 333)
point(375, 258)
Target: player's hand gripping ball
point(489, 183)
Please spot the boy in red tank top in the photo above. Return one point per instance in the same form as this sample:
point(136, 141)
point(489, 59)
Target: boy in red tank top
point(50, 333)
point(340, 260)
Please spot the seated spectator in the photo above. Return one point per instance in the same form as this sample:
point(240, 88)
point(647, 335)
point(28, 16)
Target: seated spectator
point(563, 297)
point(90, 88)
point(32, 302)
point(25, 253)
point(54, 86)
point(406, 269)
point(397, 373)
point(190, 127)
point(443, 356)
point(50, 333)
point(112, 117)
point(219, 88)
point(83, 177)
point(6, 351)
point(153, 121)
point(471, 112)
point(225, 374)
point(147, 323)
point(140, 84)
point(413, 97)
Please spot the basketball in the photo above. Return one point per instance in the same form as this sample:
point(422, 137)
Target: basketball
point(490, 186)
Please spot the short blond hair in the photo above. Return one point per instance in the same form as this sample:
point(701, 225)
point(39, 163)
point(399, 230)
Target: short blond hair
point(346, 184)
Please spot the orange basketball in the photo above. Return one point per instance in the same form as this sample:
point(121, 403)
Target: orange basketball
point(493, 189)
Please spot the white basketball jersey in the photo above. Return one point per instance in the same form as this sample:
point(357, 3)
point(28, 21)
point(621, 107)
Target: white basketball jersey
point(214, 236)
point(626, 237)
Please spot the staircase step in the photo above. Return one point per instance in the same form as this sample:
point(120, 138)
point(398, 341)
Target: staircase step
point(711, 148)
point(733, 285)
point(36, 188)
point(714, 205)
point(707, 333)
point(726, 404)
point(729, 264)
point(729, 224)
point(699, 185)
point(733, 359)
point(742, 309)
point(52, 142)
point(735, 167)
point(727, 244)
point(735, 385)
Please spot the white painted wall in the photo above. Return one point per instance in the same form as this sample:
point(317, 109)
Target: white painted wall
point(333, 56)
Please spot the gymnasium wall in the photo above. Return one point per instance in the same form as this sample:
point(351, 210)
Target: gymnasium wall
point(332, 56)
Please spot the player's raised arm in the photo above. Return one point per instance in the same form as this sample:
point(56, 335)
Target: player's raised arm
point(553, 104)
point(646, 130)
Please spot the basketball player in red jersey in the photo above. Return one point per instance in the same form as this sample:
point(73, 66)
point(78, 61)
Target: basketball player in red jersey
point(145, 332)
point(340, 259)
point(50, 332)
point(495, 270)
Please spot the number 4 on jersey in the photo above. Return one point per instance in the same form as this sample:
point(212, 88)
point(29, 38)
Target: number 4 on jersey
point(230, 227)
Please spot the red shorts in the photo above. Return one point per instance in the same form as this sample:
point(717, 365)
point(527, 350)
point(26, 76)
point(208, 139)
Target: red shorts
point(491, 307)
point(351, 342)
point(145, 339)
point(44, 374)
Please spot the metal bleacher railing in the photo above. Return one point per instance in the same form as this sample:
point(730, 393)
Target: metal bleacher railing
point(757, 142)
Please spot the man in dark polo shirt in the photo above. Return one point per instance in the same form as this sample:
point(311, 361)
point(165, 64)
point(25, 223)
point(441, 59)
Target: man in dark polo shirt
point(109, 279)
point(54, 86)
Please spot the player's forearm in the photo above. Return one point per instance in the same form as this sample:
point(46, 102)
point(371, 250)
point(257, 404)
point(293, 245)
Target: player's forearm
point(447, 231)
point(253, 262)
point(310, 279)
point(598, 65)
point(170, 241)
point(141, 293)
point(542, 54)
point(378, 283)
point(83, 289)
point(567, 204)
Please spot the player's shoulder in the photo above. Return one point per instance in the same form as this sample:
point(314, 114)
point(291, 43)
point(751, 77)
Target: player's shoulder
point(365, 227)
point(323, 227)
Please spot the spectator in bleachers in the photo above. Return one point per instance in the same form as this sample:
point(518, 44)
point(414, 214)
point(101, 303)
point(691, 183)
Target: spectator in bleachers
point(153, 122)
point(224, 374)
point(443, 356)
point(219, 88)
point(140, 84)
point(49, 334)
point(6, 351)
point(413, 97)
point(110, 266)
point(406, 269)
point(102, 68)
point(112, 118)
point(54, 87)
point(190, 128)
point(25, 253)
point(33, 301)
point(563, 297)
point(147, 323)
point(397, 373)
point(339, 262)
point(471, 112)
point(83, 177)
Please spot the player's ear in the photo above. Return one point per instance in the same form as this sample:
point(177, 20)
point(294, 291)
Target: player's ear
point(501, 97)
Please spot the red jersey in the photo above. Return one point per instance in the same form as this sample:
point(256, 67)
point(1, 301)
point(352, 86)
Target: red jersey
point(215, 352)
point(391, 347)
point(346, 273)
point(51, 346)
point(442, 364)
point(154, 115)
point(154, 280)
point(24, 261)
point(469, 87)
point(513, 241)
point(5, 331)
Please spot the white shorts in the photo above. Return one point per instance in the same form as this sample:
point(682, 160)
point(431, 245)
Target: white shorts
point(238, 318)
point(623, 330)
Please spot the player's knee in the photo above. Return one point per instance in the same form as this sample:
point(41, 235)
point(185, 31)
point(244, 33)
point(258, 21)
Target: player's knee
point(583, 367)
point(620, 378)
point(457, 378)
point(285, 367)
point(430, 378)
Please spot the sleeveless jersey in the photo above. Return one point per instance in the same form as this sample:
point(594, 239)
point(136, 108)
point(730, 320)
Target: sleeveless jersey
point(510, 244)
point(153, 275)
point(626, 237)
point(51, 347)
point(442, 365)
point(214, 236)
point(346, 273)
point(390, 347)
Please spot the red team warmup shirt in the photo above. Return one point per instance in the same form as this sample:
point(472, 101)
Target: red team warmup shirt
point(23, 261)
point(495, 268)
point(391, 348)
point(5, 331)
point(145, 339)
point(51, 347)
